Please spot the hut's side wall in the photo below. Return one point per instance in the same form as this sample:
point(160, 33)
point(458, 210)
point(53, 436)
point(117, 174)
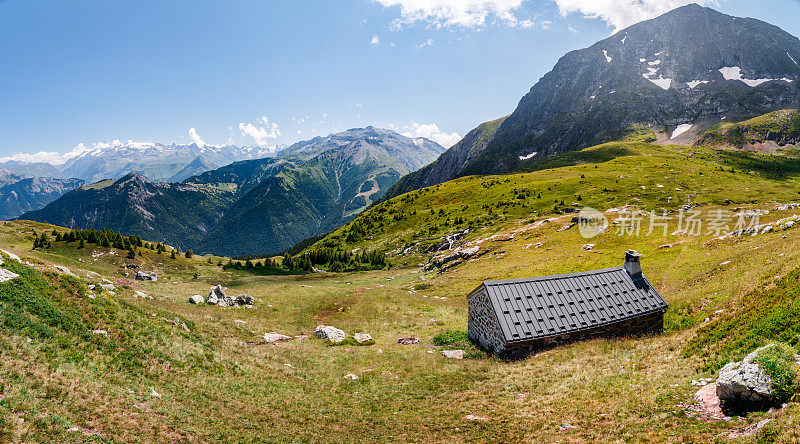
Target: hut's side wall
point(644, 325)
point(482, 325)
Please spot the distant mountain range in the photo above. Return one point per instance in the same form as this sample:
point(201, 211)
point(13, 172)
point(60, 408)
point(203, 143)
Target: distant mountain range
point(253, 206)
point(19, 194)
point(158, 162)
point(685, 70)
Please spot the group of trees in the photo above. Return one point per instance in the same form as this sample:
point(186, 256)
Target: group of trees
point(329, 259)
point(101, 238)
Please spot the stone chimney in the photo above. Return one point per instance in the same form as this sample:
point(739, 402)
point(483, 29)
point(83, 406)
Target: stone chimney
point(632, 264)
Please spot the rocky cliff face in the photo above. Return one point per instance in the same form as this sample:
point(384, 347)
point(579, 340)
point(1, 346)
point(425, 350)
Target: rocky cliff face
point(33, 193)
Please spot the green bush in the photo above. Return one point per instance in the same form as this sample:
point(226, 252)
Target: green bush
point(458, 340)
point(778, 362)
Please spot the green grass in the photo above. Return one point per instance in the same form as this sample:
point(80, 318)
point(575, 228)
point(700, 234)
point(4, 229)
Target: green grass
point(767, 314)
point(458, 340)
point(646, 176)
point(756, 130)
point(627, 390)
point(778, 362)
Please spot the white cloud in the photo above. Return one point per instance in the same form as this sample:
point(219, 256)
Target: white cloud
point(453, 13)
point(428, 42)
point(620, 14)
point(196, 138)
point(431, 131)
point(375, 40)
point(261, 134)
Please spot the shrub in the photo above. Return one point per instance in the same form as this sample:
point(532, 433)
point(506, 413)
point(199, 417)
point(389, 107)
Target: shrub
point(458, 340)
point(778, 362)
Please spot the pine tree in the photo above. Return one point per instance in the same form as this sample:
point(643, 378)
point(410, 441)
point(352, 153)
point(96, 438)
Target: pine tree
point(189, 254)
point(173, 255)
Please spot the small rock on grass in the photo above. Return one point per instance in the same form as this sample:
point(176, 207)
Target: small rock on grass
point(363, 338)
point(272, 338)
point(408, 341)
point(351, 376)
point(453, 354)
point(476, 418)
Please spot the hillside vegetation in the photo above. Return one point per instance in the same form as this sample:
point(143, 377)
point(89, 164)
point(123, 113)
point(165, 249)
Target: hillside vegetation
point(645, 176)
point(149, 378)
point(780, 127)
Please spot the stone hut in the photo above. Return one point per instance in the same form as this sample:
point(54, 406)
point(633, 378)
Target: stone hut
point(519, 316)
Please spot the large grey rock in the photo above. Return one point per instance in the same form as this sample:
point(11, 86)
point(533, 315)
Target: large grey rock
point(332, 334)
point(216, 295)
point(145, 276)
point(197, 299)
point(6, 275)
point(745, 382)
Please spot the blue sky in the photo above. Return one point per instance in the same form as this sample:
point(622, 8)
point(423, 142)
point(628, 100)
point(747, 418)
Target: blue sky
point(275, 72)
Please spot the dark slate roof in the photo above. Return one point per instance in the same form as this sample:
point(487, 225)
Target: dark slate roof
point(536, 308)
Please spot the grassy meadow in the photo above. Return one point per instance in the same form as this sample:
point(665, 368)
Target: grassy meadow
point(147, 378)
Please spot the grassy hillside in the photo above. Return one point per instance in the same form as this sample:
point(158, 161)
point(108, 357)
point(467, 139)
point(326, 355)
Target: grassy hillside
point(780, 127)
point(724, 294)
point(649, 177)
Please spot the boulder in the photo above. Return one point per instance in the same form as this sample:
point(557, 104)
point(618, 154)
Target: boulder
point(65, 270)
point(6, 275)
point(745, 382)
point(332, 334)
point(244, 299)
point(197, 299)
point(363, 338)
point(107, 287)
point(453, 354)
point(216, 295)
point(272, 338)
point(145, 276)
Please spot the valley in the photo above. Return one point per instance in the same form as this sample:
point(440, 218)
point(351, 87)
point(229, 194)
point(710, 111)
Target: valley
point(637, 388)
point(614, 260)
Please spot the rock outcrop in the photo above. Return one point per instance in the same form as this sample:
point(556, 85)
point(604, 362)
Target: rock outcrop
point(332, 334)
point(745, 382)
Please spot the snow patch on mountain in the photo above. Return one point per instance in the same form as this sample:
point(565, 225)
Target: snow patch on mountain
point(608, 58)
point(624, 38)
point(661, 82)
point(681, 129)
point(657, 62)
point(529, 156)
point(695, 83)
point(735, 73)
